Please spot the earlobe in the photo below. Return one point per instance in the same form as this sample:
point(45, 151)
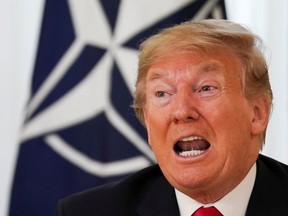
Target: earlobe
point(261, 114)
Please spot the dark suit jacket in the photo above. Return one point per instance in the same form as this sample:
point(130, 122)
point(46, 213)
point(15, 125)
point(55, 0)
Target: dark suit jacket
point(148, 193)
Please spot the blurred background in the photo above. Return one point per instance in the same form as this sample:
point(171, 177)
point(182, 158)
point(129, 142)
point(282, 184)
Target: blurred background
point(35, 88)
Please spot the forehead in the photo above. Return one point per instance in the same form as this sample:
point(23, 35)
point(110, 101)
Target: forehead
point(189, 64)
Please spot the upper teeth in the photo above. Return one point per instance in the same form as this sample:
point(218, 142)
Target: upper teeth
point(191, 138)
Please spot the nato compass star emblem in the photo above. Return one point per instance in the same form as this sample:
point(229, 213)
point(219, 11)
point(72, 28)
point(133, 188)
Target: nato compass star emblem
point(84, 80)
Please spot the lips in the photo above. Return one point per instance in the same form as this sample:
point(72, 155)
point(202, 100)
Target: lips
point(191, 146)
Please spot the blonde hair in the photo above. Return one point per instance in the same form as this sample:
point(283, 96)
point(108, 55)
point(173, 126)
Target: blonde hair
point(205, 36)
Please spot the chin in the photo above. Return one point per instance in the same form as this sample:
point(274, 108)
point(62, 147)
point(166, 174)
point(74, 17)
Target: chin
point(189, 179)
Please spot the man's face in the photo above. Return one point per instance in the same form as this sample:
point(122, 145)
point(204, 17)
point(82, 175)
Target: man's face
point(200, 124)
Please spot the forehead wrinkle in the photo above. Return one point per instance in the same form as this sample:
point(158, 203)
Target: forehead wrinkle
point(189, 69)
point(206, 67)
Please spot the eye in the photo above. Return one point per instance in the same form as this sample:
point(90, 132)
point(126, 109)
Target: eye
point(160, 94)
point(206, 88)
point(209, 91)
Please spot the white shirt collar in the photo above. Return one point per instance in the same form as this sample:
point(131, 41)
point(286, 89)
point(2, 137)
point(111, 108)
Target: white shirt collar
point(239, 197)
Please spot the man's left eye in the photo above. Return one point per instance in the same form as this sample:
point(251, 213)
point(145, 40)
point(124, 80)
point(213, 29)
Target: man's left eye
point(160, 94)
point(206, 88)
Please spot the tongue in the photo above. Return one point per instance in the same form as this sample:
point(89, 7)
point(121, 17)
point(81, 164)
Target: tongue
point(200, 144)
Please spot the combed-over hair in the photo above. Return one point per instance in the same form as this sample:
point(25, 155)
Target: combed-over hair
point(205, 36)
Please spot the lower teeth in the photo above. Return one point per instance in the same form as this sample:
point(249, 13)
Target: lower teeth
point(191, 153)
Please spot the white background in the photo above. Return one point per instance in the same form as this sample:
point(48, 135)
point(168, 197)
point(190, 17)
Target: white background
point(19, 28)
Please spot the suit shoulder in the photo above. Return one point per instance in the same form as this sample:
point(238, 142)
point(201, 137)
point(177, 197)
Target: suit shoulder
point(269, 194)
point(273, 166)
point(274, 172)
point(118, 194)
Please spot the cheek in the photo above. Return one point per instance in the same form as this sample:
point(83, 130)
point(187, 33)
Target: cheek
point(156, 117)
point(157, 124)
point(232, 126)
point(228, 116)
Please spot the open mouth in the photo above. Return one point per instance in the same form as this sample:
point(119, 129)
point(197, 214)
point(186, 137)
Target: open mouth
point(191, 146)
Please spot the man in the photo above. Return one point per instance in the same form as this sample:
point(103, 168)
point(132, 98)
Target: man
point(203, 93)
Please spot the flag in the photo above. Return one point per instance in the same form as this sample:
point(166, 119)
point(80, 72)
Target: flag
point(80, 130)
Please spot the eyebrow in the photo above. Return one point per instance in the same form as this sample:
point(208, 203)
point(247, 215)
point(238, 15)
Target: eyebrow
point(156, 75)
point(209, 67)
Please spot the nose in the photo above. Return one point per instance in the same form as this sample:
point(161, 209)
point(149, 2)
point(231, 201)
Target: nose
point(185, 107)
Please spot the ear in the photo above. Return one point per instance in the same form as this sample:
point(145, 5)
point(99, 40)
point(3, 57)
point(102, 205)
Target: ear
point(261, 115)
